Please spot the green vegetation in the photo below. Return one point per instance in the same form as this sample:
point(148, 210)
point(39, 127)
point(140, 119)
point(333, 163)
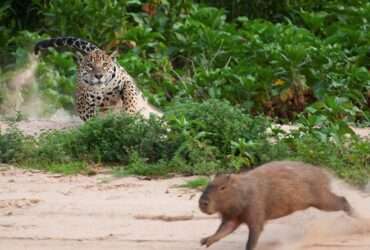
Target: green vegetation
point(14, 146)
point(310, 55)
point(71, 168)
point(203, 138)
point(197, 183)
point(222, 70)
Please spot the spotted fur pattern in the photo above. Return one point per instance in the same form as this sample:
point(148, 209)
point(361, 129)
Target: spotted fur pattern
point(74, 43)
point(102, 84)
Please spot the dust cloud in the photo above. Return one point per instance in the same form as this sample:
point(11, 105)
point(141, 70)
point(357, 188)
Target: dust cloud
point(317, 230)
point(33, 119)
point(13, 98)
point(32, 106)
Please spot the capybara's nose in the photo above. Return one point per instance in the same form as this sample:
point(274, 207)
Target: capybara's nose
point(203, 203)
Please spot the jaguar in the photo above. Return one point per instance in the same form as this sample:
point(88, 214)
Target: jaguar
point(103, 85)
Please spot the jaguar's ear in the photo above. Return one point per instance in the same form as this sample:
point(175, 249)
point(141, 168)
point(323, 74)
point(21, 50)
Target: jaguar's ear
point(114, 55)
point(78, 57)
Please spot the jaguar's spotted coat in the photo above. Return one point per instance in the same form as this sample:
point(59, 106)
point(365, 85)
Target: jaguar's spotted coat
point(102, 83)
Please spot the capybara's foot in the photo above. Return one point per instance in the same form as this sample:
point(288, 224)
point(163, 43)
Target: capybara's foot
point(348, 208)
point(207, 241)
point(204, 241)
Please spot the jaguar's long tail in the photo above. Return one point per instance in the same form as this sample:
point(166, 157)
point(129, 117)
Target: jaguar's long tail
point(66, 42)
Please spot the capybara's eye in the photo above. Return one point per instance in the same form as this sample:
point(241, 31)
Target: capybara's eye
point(222, 188)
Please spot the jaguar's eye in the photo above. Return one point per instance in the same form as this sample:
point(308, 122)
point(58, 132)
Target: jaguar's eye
point(105, 64)
point(89, 66)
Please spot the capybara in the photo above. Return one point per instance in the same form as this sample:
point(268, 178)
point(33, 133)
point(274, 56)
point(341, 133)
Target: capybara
point(271, 191)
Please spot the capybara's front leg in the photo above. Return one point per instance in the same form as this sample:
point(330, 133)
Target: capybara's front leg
point(226, 228)
point(254, 233)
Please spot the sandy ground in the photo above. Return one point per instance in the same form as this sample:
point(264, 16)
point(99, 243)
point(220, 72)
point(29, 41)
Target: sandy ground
point(40, 211)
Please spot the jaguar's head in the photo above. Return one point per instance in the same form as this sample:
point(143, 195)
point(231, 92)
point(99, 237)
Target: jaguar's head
point(97, 67)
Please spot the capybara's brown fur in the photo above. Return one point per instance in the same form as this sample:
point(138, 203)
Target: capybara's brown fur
point(271, 191)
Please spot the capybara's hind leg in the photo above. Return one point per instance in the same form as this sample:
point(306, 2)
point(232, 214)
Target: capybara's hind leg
point(333, 202)
point(254, 233)
point(346, 206)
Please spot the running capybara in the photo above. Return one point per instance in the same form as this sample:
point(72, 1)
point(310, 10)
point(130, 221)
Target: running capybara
point(271, 191)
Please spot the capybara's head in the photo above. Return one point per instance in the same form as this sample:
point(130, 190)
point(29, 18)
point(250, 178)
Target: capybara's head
point(218, 195)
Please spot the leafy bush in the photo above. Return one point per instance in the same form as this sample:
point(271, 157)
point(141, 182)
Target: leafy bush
point(111, 140)
point(16, 17)
point(204, 138)
point(348, 158)
point(106, 19)
point(189, 136)
point(216, 122)
point(190, 139)
point(56, 81)
point(216, 130)
point(267, 9)
point(14, 146)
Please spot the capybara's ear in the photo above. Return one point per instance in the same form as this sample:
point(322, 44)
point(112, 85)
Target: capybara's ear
point(228, 176)
point(217, 175)
point(232, 177)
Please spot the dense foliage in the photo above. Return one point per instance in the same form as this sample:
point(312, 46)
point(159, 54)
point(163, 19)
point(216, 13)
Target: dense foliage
point(312, 54)
point(194, 141)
